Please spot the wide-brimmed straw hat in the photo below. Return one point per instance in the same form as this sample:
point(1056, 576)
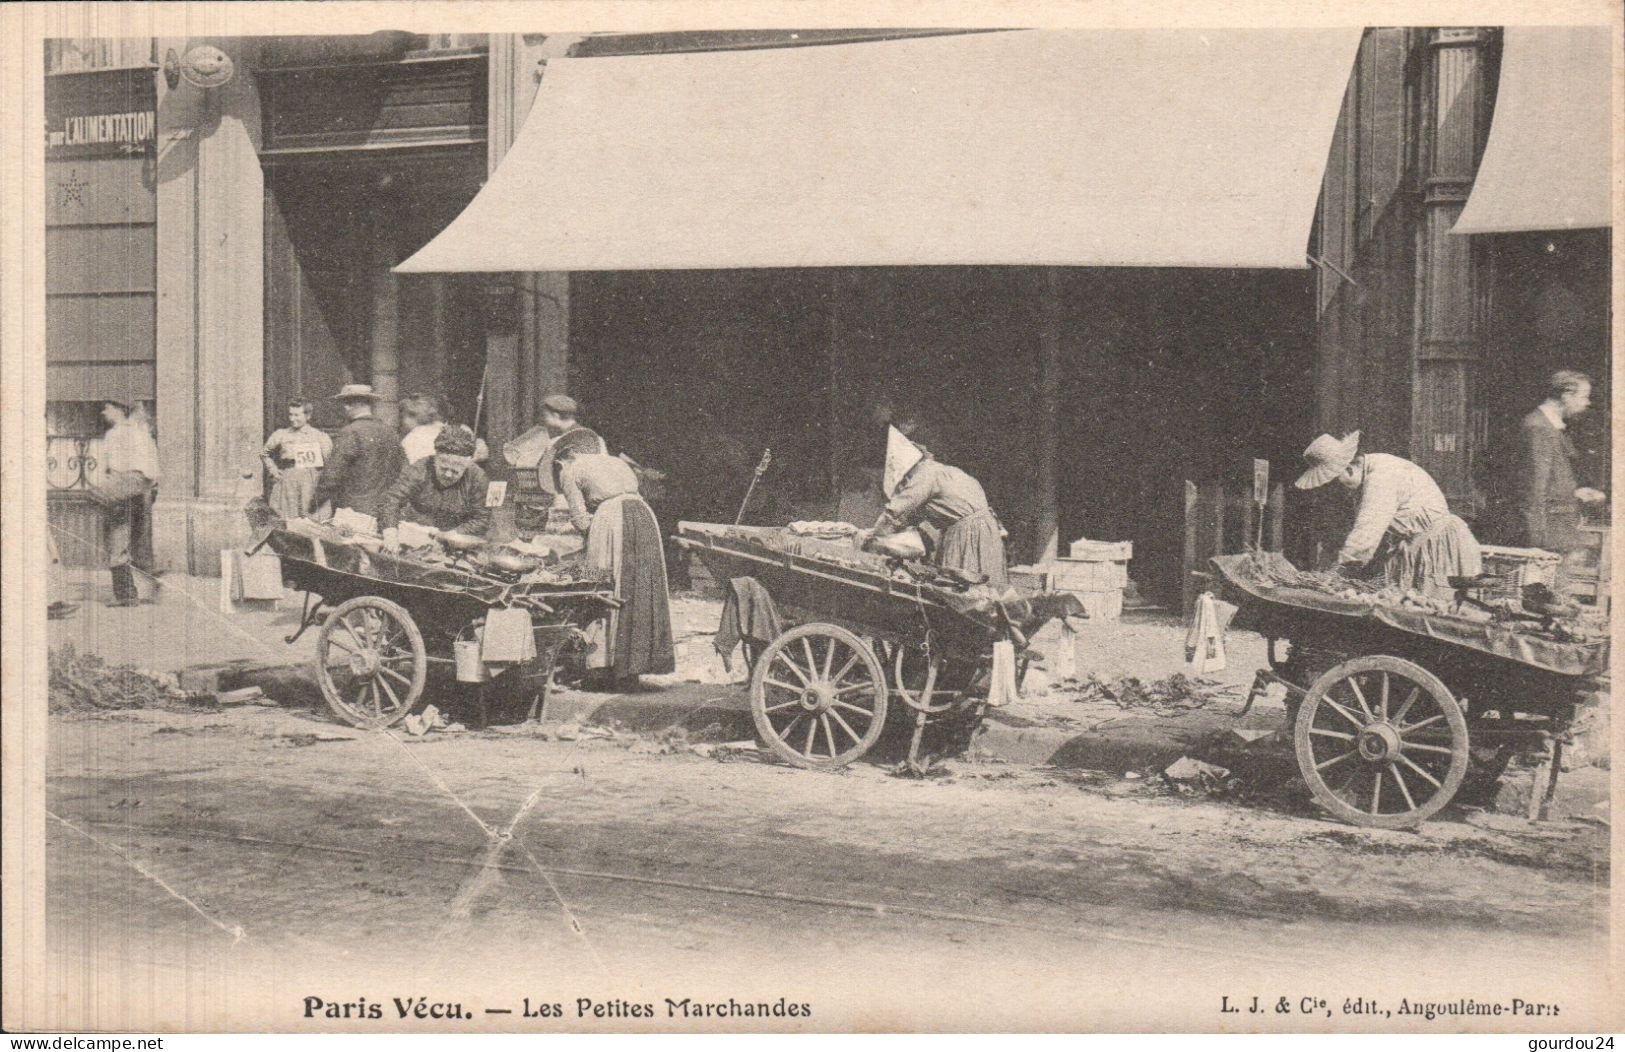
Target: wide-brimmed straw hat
point(356, 393)
point(1328, 458)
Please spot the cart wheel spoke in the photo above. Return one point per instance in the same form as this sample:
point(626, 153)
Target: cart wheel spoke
point(865, 685)
point(1406, 760)
point(784, 686)
point(1405, 706)
point(402, 680)
point(1376, 792)
point(836, 679)
point(829, 659)
point(812, 661)
point(823, 718)
point(1407, 728)
point(1322, 732)
point(394, 699)
point(342, 645)
point(782, 706)
point(860, 710)
point(349, 630)
point(812, 729)
point(1382, 704)
point(1359, 696)
point(790, 728)
point(1346, 714)
point(793, 667)
point(845, 726)
point(1427, 748)
point(1339, 758)
point(1404, 789)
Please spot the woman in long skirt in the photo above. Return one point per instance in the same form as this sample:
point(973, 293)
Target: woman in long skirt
point(623, 541)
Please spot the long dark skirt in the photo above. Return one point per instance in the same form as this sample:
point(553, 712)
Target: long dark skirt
point(625, 539)
point(973, 544)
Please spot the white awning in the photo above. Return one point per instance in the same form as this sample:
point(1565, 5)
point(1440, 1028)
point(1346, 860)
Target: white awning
point(1092, 148)
point(1549, 161)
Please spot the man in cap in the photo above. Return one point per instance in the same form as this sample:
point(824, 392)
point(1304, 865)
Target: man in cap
point(1403, 520)
point(543, 445)
point(366, 458)
point(445, 490)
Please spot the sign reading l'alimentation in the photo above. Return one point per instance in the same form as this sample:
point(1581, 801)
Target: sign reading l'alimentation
point(101, 114)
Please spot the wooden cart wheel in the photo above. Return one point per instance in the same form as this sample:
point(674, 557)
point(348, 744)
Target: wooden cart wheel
point(371, 662)
point(1381, 742)
point(918, 680)
point(818, 696)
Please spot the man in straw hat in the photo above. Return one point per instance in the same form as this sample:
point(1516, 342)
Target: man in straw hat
point(366, 457)
point(1403, 521)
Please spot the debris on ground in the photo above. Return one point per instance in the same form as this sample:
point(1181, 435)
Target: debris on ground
point(243, 696)
point(418, 724)
point(300, 740)
point(86, 683)
point(913, 769)
point(1171, 696)
point(568, 732)
point(1192, 775)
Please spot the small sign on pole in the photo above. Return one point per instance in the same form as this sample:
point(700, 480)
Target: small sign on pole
point(1261, 496)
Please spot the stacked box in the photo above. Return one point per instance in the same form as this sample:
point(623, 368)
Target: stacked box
point(1516, 567)
point(1094, 571)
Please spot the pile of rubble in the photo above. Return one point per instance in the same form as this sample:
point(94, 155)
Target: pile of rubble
point(1170, 696)
point(86, 683)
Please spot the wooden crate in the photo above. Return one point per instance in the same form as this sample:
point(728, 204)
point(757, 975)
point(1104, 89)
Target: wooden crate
point(1094, 571)
point(1516, 567)
point(1587, 574)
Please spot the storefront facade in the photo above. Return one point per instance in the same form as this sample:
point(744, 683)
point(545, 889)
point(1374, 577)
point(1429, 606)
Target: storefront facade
point(1453, 284)
point(260, 222)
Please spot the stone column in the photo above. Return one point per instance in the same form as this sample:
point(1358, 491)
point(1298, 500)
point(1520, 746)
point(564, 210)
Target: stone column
point(1447, 346)
point(540, 363)
point(1046, 500)
point(210, 311)
point(386, 314)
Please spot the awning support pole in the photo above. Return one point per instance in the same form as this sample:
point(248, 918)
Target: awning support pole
point(1046, 510)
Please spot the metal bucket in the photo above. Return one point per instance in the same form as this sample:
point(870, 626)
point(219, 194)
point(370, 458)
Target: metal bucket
point(466, 654)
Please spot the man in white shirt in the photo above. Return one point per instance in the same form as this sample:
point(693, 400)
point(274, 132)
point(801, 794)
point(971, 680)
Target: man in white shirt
point(128, 477)
point(421, 423)
point(1403, 519)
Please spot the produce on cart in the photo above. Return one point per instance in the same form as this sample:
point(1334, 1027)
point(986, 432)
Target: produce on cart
point(386, 616)
point(869, 638)
point(1397, 701)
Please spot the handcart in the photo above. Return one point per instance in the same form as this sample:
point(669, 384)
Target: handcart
point(869, 638)
point(1393, 710)
point(386, 617)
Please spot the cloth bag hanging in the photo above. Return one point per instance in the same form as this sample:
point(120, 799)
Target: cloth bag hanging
point(1204, 640)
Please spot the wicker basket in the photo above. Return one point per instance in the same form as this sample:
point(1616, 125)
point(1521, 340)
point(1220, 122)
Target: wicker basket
point(1516, 567)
